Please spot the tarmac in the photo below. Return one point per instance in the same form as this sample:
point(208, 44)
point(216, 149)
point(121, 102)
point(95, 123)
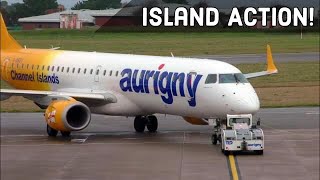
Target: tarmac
point(110, 149)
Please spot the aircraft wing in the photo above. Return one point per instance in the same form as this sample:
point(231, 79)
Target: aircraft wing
point(44, 98)
point(271, 68)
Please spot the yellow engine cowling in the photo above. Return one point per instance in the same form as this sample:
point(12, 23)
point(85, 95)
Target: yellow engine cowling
point(195, 121)
point(68, 115)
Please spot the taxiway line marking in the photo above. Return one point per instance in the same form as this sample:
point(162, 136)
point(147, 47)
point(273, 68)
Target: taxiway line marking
point(233, 167)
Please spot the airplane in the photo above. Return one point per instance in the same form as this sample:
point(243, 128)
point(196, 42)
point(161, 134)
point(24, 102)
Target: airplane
point(71, 85)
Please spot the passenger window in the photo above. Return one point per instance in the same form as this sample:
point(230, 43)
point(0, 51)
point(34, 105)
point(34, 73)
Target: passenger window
point(27, 66)
point(104, 72)
point(68, 70)
point(97, 72)
point(42, 67)
point(48, 68)
point(73, 70)
point(91, 71)
point(79, 70)
point(211, 79)
point(118, 73)
point(52, 69)
point(22, 66)
point(32, 67)
point(62, 69)
point(110, 73)
point(58, 68)
point(85, 71)
point(38, 67)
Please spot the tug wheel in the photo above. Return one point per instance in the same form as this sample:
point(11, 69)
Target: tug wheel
point(227, 153)
point(259, 152)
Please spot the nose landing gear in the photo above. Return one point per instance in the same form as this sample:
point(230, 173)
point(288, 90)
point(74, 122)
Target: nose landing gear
point(140, 122)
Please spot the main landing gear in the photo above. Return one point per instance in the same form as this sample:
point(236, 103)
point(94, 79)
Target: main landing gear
point(53, 133)
point(140, 122)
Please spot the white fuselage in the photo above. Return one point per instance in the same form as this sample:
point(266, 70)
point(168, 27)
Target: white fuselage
point(149, 84)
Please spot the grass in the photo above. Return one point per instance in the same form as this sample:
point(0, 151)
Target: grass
point(291, 74)
point(181, 44)
point(288, 96)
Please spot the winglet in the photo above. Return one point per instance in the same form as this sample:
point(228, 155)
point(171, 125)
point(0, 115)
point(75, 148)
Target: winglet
point(271, 67)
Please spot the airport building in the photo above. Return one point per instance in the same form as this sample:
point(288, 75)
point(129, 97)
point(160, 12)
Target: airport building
point(77, 19)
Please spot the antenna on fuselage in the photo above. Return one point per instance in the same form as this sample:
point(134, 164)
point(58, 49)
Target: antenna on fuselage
point(54, 48)
point(172, 54)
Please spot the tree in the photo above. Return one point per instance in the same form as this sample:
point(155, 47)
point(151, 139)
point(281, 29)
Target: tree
point(36, 7)
point(97, 4)
point(16, 11)
point(4, 4)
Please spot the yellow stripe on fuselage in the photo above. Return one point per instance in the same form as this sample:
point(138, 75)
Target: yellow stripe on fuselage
point(19, 68)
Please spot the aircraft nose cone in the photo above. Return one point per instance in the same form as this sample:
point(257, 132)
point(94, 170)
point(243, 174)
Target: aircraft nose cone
point(250, 104)
point(247, 104)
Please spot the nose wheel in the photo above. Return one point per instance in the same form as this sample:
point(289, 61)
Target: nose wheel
point(141, 122)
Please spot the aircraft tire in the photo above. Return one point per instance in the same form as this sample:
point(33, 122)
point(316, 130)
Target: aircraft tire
point(51, 132)
point(65, 133)
point(152, 124)
point(139, 124)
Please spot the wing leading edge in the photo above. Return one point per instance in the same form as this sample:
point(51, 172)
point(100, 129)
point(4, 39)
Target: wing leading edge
point(46, 97)
point(271, 68)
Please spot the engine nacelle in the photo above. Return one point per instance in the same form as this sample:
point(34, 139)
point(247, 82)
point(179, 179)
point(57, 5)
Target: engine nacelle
point(196, 121)
point(68, 115)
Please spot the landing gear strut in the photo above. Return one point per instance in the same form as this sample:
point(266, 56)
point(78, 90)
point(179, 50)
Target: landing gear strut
point(216, 137)
point(140, 122)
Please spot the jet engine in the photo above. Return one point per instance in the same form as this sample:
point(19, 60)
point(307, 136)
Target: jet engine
point(68, 115)
point(196, 121)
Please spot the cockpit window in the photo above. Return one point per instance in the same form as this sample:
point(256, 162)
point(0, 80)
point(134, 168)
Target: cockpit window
point(232, 78)
point(211, 79)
